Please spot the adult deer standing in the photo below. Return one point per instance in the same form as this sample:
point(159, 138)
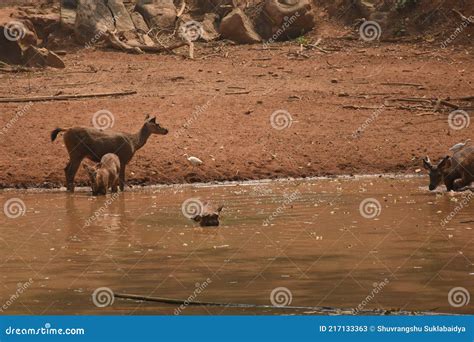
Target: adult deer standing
point(92, 143)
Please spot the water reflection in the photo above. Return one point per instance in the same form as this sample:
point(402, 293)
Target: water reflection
point(317, 245)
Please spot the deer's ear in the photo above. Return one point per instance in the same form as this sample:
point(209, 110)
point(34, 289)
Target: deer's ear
point(147, 116)
point(427, 164)
point(219, 209)
point(153, 120)
point(446, 162)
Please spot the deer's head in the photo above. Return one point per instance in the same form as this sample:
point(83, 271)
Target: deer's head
point(437, 172)
point(209, 218)
point(153, 126)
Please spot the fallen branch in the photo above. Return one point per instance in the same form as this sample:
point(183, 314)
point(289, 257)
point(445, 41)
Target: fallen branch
point(147, 48)
point(321, 309)
point(64, 97)
point(181, 9)
point(467, 98)
point(359, 107)
point(116, 43)
point(463, 17)
point(238, 93)
point(402, 84)
point(448, 104)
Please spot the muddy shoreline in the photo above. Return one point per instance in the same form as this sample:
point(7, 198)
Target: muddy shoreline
point(218, 108)
point(139, 187)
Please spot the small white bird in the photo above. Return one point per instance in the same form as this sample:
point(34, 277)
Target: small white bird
point(193, 160)
point(459, 146)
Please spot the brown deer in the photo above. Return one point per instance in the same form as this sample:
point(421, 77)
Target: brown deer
point(104, 175)
point(92, 143)
point(456, 172)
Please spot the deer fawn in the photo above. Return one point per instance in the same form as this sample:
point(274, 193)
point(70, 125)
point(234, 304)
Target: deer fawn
point(104, 175)
point(91, 143)
point(456, 172)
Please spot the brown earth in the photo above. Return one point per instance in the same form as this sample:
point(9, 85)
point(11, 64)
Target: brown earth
point(237, 89)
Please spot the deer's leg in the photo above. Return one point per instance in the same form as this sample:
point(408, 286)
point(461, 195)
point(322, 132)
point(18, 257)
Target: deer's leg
point(122, 178)
point(114, 185)
point(71, 170)
point(461, 183)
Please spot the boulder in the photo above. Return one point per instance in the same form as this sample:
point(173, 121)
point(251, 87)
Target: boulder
point(21, 31)
point(287, 18)
point(94, 17)
point(41, 57)
point(209, 27)
point(157, 13)
point(139, 22)
point(122, 19)
point(10, 51)
point(236, 26)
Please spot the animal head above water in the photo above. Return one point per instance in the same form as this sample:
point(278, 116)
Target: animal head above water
point(437, 172)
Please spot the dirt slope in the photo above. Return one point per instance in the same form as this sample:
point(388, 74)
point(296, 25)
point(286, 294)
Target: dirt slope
point(231, 132)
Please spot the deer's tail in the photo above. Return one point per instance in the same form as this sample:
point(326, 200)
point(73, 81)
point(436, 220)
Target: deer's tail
point(55, 133)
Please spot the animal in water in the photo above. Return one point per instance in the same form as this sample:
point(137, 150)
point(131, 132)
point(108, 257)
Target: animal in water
point(193, 160)
point(92, 143)
point(455, 172)
point(209, 216)
point(457, 147)
point(104, 175)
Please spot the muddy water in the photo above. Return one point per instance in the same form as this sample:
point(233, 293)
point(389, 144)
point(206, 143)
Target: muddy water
point(306, 236)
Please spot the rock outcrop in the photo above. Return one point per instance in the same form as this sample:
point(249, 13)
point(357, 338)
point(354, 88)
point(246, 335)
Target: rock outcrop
point(94, 17)
point(287, 18)
point(237, 27)
point(160, 14)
